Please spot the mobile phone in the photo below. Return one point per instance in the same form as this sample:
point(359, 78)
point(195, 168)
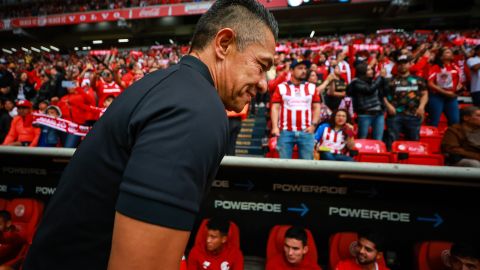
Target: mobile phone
point(69, 84)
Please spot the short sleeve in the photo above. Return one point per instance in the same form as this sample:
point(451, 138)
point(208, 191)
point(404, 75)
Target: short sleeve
point(168, 170)
point(277, 97)
point(433, 73)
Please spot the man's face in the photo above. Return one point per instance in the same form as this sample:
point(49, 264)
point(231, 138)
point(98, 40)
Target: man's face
point(23, 111)
point(366, 253)
point(215, 240)
point(244, 73)
point(9, 105)
point(300, 72)
point(403, 67)
point(464, 263)
point(294, 250)
point(474, 119)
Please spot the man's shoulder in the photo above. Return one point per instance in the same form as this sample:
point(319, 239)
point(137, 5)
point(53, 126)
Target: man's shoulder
point(473, 61)
point(347, 264)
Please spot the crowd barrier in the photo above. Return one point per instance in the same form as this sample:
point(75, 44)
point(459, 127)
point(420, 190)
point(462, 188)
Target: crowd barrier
point(407, 203)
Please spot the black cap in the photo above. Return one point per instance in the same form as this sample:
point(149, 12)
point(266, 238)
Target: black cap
point(296, 62)
point(404, 58)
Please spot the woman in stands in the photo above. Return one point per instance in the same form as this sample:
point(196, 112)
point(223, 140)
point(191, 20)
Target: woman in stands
point(444, 82)
point(335, 138)
point(367, 95)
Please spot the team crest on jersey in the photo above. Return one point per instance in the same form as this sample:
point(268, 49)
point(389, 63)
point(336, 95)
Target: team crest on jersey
point(224, 266)
point(206, 264)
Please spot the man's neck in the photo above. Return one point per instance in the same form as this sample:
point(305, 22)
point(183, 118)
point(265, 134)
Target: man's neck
point(209, 61)
point(295, 81)
point(405, 75)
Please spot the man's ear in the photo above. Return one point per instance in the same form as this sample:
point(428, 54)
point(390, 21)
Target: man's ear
point(224, 41)
point(9, 223)
point(305, 250)
point(379, 255)
point(224, 239)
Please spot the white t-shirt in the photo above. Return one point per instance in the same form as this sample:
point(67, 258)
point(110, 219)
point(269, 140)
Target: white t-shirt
point(475, 83)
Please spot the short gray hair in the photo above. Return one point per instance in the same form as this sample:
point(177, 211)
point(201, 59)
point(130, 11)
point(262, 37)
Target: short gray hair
point(243, 16)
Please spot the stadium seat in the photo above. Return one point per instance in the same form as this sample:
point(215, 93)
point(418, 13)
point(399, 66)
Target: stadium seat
point(276, 241)
point(26, 215)
point(342, 247)
point(413, 152)
point(233, 234)
point(371, 151)
point(433, 255)
point(431, 136)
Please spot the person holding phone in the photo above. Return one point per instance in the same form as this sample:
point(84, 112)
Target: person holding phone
point(335, 138)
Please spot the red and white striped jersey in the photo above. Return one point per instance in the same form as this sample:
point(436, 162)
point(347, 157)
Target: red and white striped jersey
point(296, 105)
point(105, 90)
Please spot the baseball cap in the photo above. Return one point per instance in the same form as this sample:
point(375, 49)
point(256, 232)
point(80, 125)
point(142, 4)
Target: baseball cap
point(24, 103)
point(296, 62)
point(477, 48)
point(404, 58)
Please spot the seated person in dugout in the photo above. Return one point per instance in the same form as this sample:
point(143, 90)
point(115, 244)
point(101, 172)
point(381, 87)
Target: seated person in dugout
point(464, 256)
point(10, 240)
point(216, 253)
point(294, 250)
point(368, 252)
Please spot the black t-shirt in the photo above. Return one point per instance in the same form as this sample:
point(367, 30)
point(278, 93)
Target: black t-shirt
point(151, 157)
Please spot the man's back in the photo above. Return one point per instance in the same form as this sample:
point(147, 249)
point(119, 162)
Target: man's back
point(148, 158)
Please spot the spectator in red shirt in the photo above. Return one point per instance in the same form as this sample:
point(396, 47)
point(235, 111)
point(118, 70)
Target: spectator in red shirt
point(10, 240)
point(368, 254)
point(21, 132)
point(295, 248)
point(217, 253)
point(444, 82)
point(107, 85)
point(75, 106)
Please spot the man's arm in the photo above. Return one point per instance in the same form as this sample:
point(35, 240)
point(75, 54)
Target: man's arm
point(140, 245)
point(315, 118)
point(274, 116)
point(423, 102)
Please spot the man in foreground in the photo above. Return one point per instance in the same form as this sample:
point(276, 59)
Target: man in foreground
point(130, 195)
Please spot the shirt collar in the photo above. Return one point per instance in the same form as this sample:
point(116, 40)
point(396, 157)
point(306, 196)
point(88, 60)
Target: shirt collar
point(197, 65)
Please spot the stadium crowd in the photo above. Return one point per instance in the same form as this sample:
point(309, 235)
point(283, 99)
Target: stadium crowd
point(390, 83)
point(48, 7)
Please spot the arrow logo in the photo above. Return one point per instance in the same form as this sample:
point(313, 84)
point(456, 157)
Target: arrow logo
point(17, 189)
point(437, 220)
point(248, 185)
point(302, 211)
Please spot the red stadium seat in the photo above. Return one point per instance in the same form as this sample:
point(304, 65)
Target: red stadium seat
point(276, 241)
point(233, 234)
point(431, 136)
point(412, 152)
point(26, 215)
point(372, 151)
point(433, 255)
point(342, 247)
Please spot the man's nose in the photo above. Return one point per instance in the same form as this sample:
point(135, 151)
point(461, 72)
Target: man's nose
point(262, 85)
